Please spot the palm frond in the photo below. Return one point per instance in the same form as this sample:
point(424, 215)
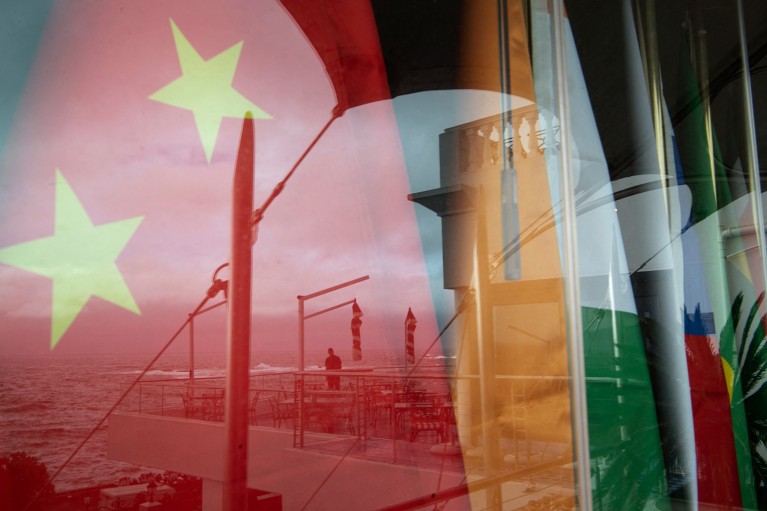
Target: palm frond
point(737, 305)
point(755, 382)
point(746, 339)
point(727, 333)
point(750, 376)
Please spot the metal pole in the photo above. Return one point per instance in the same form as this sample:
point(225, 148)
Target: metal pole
point(699, 56)
point(486, 342)
point(336, 287)
point(299, 394)
point(752, 157)
point(705, 94)
point(572, 289)
point(329, 309)
point(655, 89)
point(301, 333)
point(648, 47)
point(299, 424)
point(238, 345)
point(301, 317)
point(191, 349)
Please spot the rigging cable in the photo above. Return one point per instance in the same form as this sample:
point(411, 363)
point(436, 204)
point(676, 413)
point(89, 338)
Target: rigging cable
point(209, 294)
point(218, 285)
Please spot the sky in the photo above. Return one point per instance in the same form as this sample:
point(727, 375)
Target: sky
point(86, 128)
point(112, 133)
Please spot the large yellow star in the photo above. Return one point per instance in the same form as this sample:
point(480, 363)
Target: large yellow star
point(205, 88)
point(79, 257)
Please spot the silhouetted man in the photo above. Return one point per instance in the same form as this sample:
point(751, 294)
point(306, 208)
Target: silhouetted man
point(333, 363)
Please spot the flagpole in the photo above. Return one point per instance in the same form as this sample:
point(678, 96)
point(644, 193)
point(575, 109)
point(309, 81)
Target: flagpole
point(238, 331)
point(699, 56)
point(191, 351)
point(648, 44)
point(752, 156)
point(577, 363)
point(486, 347)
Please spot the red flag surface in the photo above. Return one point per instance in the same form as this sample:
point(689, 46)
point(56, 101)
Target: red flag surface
point(343, 32)
point(140, 152)
point(115, 184)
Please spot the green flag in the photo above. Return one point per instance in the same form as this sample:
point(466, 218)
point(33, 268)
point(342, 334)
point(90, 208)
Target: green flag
point(627, 466)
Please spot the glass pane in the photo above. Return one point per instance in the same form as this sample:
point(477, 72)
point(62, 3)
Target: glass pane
point(507, 254)
point(672, 113)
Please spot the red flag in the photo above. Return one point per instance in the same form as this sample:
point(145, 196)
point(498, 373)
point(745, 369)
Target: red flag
point(356, 339)
point(143, 188)
point(384, 48)
point(410, 324)
point(168, 162)
point(344, 34)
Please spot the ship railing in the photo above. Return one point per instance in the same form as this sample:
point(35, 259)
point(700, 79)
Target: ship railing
point(433, 419)
point(203, 398)
point(365, 403)
point(387, 416)
point(374, 405)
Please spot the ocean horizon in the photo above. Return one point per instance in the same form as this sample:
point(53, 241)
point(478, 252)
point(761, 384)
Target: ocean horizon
point(49, 404)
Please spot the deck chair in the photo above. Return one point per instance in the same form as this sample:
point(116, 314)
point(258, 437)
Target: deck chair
point(254, 409)
point(318, 415)
point(213, 405)
point(427, 419)
point(345, 412)
point(378, 403)
point(189, 409)
point(281, 413)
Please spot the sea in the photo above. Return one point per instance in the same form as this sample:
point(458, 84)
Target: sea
point(50, 404)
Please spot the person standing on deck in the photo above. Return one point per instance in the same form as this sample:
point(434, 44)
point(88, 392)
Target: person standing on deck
point(333, 363)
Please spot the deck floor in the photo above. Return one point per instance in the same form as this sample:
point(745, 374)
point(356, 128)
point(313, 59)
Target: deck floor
point(386, 450)
point(376, 443)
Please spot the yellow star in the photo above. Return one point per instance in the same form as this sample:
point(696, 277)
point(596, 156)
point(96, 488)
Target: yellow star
point(205, 88)
point(79, 257)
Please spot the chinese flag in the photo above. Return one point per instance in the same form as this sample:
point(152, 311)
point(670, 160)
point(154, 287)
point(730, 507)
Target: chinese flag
point(116, 173)
point(385, 48)
point(120, 125)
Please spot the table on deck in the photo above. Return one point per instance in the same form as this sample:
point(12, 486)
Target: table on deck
point(211, 405)
point(321, 405)
point(403, 411)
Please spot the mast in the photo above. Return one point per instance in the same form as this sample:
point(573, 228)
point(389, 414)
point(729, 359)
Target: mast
point(238, 326)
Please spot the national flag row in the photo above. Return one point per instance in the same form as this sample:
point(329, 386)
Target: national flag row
point(690, 368)
point(675, 409)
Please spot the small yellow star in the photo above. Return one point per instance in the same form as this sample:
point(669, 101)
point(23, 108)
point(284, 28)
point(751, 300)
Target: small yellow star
point(79, 258)
point(205, 88)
